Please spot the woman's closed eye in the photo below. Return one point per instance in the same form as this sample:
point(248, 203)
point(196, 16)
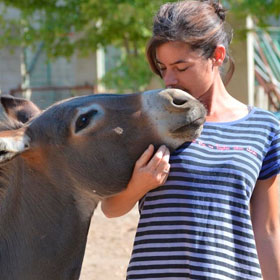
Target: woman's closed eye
point(162, 69)
point(183, 69)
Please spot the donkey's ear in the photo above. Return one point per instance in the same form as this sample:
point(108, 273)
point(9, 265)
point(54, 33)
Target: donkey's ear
point(19, 109)
point(13, 143)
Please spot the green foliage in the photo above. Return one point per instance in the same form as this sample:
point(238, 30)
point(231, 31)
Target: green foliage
point(260, 10)
point(132, 74)
point(82, 26)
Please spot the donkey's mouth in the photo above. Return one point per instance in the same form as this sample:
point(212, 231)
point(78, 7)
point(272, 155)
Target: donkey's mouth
point(195, 124)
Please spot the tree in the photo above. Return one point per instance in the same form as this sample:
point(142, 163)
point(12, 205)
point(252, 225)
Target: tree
point(260, 10)
point(68, 26)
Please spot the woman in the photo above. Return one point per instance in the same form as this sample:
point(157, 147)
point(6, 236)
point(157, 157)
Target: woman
point(216, 216)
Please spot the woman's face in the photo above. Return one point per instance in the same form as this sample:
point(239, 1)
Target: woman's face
point(183, 68)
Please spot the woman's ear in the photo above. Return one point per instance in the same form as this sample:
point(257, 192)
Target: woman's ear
point(219, 55)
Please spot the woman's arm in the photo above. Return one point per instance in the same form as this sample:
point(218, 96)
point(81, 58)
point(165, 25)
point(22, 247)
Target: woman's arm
point(149, 173)
point(266, 226)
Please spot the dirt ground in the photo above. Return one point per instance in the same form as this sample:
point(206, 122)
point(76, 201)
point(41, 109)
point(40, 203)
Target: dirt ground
point(109, 246)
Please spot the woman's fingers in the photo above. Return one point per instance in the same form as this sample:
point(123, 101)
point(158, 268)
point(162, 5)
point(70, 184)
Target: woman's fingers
point(161, 156)
point(159, 166)
point(151, 170)
point(145, 157)
point(164, 166)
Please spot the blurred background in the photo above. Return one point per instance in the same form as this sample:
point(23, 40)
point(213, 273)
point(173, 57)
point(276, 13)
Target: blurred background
point(55, 49)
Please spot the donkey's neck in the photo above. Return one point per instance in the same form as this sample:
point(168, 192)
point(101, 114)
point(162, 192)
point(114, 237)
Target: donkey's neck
point(31, 197)
point(42, 228)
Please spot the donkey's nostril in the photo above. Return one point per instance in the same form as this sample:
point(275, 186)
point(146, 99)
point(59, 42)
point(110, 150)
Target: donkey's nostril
point(179, 102)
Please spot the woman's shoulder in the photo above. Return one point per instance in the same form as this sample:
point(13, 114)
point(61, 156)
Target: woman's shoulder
point(264, 115)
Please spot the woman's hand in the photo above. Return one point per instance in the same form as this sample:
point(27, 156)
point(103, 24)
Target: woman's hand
point(149, 172)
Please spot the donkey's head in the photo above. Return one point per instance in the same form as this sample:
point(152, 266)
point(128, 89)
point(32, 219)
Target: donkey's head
point(92, 142)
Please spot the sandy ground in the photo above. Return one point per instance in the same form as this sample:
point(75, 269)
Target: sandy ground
point(109, 246)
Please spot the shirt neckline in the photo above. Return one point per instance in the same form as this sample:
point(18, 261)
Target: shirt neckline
point(251, 111)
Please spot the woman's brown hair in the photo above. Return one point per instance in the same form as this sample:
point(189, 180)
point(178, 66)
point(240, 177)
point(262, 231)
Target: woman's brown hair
point(200, 24)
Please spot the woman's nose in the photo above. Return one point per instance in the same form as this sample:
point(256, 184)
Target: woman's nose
point(170, 79)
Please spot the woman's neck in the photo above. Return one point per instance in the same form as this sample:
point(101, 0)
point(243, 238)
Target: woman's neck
point(221, 106)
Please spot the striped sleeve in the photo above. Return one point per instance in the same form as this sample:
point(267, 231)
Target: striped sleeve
point(271, 162)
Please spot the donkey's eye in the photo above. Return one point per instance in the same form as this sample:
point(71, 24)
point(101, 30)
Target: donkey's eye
point(84, 120)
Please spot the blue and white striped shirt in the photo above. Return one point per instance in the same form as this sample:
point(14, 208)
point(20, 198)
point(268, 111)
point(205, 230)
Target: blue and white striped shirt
point(198, 226)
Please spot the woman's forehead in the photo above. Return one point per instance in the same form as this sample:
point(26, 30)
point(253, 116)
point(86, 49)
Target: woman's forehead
point(175, 53)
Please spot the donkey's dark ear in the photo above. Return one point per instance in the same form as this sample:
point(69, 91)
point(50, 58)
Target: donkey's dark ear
point(19, 109)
